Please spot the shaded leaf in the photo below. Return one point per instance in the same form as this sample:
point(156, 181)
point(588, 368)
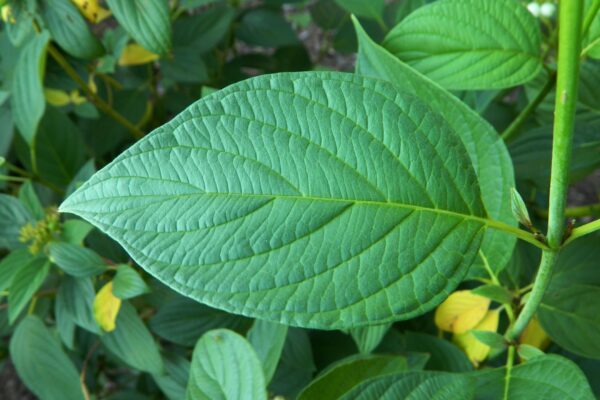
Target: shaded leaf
point(147, 21)
point(132, 343)
point(76, 260)
point(127, 283)
point(27, 100)
point(224, 366)
point(267, 339)
point(41, 363)
point(69, 29)
point(26, 281)
point(342, 377)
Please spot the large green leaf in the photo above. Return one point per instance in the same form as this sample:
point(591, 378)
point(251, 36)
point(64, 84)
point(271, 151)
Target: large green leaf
point(414, 385)
point(224, 366)
point(340, 378)
point(27, 100)
point(569, 310)
point(147, 21)
point(315, 199)
point(546, 377)
point(42, 364)
point(69, 29)
point(132, 342)
point(486, 149)
point(470, 44)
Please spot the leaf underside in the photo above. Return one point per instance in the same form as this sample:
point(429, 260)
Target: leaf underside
point(320, 200)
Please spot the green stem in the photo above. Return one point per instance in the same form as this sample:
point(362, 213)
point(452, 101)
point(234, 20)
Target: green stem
point(540, 284)
point(584, 230)
point(569, 41)
point(510, 133)
point(576, 212)
point(97, 100)
point(564, 115)
point(510, 360)
point(8, 178)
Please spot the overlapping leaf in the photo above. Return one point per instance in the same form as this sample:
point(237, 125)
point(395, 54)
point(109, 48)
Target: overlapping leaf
point(470, 44)
point(485, 148)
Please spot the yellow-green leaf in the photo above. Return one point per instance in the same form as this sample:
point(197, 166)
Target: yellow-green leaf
point(57, 97)
point(134, 54)
point(461, 311)
point(474, 349)
point(92, 10)
point(535, 335)
point(106, 308)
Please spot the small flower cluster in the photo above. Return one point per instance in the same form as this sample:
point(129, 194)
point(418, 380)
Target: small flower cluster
point(547, 9)
point(37, 235)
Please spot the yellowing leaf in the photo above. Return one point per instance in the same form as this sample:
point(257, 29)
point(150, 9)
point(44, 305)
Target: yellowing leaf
point(475, 350)
point(92, 10)
point(461, 311)
point(7, 14)
point(57, 97)
point(534, 335)
point(76, 98)
point(106, 307)
point(134, 54)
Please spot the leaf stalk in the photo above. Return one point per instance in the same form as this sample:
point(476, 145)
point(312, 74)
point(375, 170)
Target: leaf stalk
point(569, 40)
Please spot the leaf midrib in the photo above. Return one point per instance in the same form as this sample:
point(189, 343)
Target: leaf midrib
point(483, 220)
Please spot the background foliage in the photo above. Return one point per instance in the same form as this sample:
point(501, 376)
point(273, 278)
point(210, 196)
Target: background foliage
point(82, 80)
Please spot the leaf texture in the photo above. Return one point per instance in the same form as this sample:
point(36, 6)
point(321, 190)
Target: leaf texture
point(147, 21)
point(313, 199)
point(470, 44)
point(485, 148)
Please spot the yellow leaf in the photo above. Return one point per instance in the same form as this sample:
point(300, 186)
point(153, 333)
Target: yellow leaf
point(92, 10)
point(106, 308)
point(92, 84)
point(57, 97)
point(461, 311)
point(7, 15)
point(475, 350)
point(76, 98)
point(134, 54)
point(534, 335)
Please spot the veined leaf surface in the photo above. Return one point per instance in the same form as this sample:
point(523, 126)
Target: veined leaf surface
point(485, 147)
point(470, 44)
point(322, 200)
